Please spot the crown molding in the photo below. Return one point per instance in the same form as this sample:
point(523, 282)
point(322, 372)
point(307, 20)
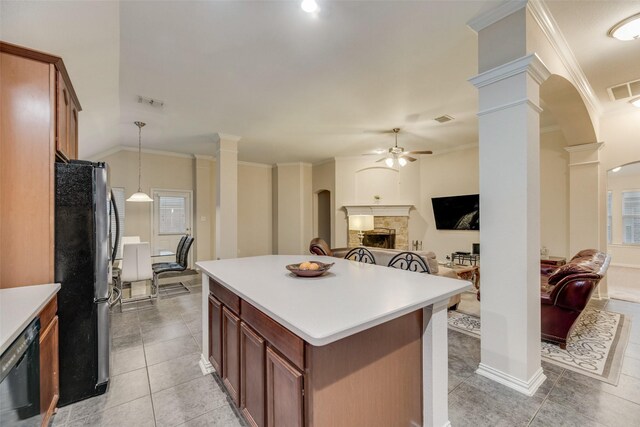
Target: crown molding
point(119, 148)
point(294, 164)
point(228, 137)
point(256, 165)
point(204, 157)
point(531, 64)
point(551, 30)
point(492, 16)
point(324, 162)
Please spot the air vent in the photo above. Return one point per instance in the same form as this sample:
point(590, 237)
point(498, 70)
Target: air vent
point(624, 90)
point(156, 103)
point(443, 119)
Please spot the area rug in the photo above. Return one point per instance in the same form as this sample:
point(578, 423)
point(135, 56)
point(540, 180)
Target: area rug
point(595, 348)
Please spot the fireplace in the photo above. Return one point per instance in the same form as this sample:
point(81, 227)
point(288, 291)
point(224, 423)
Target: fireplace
point(380, 238)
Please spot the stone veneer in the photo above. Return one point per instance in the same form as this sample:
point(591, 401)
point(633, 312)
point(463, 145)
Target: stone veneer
point(398, 223)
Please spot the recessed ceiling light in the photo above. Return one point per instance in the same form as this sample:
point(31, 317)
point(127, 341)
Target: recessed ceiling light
point(618, 169)
point(627, 29)
point(635, 102)
point(309, 6)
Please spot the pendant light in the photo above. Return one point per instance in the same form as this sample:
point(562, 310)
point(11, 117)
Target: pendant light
point(140, 196)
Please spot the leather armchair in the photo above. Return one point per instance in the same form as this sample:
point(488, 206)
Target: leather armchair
point(566, 291)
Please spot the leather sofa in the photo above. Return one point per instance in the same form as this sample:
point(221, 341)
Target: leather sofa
point(566, 290)
point(383, 256)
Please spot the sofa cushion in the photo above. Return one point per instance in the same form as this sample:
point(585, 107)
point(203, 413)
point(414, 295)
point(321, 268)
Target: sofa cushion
point(585, 253)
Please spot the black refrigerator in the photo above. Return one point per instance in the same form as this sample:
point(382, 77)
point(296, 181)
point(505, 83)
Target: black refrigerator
point(82, 252)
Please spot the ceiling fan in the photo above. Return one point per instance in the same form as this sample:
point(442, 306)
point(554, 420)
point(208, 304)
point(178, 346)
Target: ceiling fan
point(397, 155)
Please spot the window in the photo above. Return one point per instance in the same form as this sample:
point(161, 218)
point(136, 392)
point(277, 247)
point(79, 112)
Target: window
point(631, 217)
point(118, 197)
point(609, 216)
point(172, 215)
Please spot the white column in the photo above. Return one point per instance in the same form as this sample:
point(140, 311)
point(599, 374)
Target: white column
point(585, 220)
point(509, 132)
point(435, 361)
point(203, 215)
point(205, 366)
point(227, 197)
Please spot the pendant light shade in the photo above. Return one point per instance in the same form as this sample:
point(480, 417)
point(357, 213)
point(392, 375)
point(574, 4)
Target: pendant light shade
point(139, 196)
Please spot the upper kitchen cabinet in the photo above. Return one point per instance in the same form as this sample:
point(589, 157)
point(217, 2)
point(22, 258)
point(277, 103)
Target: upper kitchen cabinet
point(35, 112)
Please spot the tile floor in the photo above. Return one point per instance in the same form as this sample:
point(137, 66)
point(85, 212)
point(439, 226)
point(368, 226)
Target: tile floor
point(156, 380)
point(155, 376)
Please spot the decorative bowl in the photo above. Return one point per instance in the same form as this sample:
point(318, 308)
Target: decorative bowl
point(322, 268)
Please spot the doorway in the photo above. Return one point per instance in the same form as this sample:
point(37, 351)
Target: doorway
point(171, 220)
point(324, 216)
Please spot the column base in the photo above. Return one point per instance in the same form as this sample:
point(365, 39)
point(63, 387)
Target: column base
point(525, 387)
point(205, 366)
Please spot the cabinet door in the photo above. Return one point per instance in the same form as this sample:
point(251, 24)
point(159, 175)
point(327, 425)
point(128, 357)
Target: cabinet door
point(231, 354)
point(73, 132)
point(49, 390)
point(215, 334)
point(284, 392)
point(62, 118)
point(252, 364)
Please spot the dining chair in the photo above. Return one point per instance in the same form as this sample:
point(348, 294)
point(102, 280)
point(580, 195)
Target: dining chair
point(409, 261)
point(361, 254)
point(136, 265)
point(181, 264)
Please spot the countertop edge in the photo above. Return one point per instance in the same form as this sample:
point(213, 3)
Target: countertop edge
point(350, 330)
point(53, 290)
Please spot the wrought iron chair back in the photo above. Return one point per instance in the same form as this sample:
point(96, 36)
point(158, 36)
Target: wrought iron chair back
point(361, 254)
point(409, 261)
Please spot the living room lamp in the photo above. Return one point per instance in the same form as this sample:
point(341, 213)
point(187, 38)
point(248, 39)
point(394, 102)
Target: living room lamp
point(361, 223)
point(139, 196)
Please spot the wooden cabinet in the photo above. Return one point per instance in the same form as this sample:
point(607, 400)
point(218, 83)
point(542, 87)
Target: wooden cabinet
point(284, 392)
point(259, 361)
point(215, 333)
point(49, 381)
point(28, 129)
point(66, 121)
point(252, 376)
point(231, 353)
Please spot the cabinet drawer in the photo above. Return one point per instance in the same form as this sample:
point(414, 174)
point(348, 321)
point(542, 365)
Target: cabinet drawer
point(226, 297)
point(285, 341)
point(48, 313)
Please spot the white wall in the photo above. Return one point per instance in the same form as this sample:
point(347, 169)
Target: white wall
point(554, 194)
point(180, 172)
point(254, 209)
point(450, 174)
point(295, 205)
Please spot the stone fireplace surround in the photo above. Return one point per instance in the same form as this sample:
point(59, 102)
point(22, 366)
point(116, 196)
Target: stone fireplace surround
point(385, 216)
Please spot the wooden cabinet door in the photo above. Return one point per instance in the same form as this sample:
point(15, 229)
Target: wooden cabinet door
point(252, 375)
point(215, 334)
point(284, 392)
point(73, 132)
point(63, 108)
point(49, 386)
point(231, 353)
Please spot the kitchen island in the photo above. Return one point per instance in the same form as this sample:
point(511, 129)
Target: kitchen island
point(361, 345)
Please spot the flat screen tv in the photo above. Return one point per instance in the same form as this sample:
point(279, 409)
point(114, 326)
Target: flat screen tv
point(457, 212)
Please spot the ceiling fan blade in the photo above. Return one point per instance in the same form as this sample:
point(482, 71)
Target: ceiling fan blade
point(418, 152)
point(381, 160)
point(411, 159)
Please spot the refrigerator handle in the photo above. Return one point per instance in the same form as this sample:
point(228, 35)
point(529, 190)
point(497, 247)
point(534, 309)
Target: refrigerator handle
point(114, 250)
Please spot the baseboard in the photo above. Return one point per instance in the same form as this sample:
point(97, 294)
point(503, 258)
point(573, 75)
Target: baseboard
point(205, 366)
point(525, 387)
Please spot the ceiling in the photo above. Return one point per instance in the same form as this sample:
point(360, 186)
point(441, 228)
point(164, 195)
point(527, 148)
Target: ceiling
point(292, 86)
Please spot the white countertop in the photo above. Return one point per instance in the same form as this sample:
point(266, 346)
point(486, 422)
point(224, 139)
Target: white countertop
point(19, 306)
point(348, 299)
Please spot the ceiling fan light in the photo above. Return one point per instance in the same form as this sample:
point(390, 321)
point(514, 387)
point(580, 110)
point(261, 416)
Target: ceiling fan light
point(627, 29)
point(635, 102)
point(389, 161)
point(402, 161)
